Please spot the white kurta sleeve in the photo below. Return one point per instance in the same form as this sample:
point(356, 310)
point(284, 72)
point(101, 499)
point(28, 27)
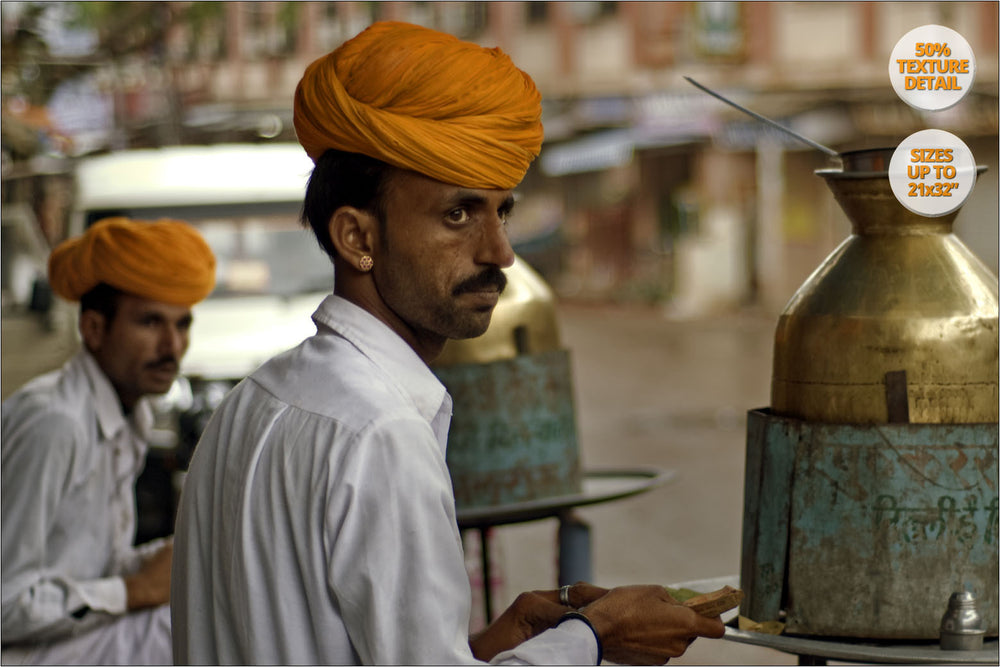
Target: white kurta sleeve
point(396, 564)
point(571, 643)
point(39, 601)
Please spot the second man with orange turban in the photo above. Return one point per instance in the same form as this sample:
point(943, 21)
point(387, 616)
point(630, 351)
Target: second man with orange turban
point(317, 523)
point(75, 590)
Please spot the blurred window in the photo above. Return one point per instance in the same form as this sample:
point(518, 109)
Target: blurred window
point(286, 28)
point(254, 37)
point(330, 28)
point(464, 20)
point(205, 34)
point(374, 11)
point(536, 12)
point(258, 255)
point(719, 29)
point(592, 12)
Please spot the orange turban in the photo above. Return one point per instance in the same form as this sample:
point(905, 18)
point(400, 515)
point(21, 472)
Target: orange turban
point(167, 261)
point(425, 101)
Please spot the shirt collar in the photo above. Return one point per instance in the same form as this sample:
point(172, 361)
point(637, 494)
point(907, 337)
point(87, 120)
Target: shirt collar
point(111, 418)
point(388, 351)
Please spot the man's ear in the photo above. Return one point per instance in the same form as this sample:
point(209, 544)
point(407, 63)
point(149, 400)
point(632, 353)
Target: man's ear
point(93, 326)
point(354, 234)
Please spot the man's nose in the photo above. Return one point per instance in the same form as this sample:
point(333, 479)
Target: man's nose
point(173, 341)
point(495, 247)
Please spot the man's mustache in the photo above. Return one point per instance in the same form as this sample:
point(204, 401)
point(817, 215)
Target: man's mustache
point(490, 278)
point(168, 363)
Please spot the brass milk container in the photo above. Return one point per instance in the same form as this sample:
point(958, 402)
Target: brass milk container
point(870, 491)
point(902, 293)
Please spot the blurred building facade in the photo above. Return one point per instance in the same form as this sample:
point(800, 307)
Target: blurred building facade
point(646, 189)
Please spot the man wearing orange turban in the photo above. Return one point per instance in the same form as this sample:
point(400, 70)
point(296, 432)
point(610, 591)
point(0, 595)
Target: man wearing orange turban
point(75, 590)
point(317, 523)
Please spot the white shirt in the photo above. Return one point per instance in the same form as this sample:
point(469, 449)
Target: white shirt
point(70, 460)
point(317, 521)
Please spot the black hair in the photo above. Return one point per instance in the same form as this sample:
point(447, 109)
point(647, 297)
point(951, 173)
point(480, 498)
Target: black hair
point(344, 179)
point(103, 298)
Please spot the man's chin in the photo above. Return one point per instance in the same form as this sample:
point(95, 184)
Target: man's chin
point(474, 326)
point(159, 386)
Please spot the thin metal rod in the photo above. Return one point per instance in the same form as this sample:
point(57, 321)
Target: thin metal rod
point(829, 151)
point(484, 546)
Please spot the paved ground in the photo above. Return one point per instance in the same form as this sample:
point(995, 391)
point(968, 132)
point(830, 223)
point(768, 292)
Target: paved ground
point(649, 391)
point(30, 344)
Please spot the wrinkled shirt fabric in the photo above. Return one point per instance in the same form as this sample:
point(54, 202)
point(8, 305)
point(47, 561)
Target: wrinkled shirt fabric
point(317, 520)
point(70, 460)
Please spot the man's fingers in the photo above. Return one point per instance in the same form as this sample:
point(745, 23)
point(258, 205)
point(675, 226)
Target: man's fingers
point(712, 628)
point(583, 593)
point(538, 609)
point(580, 594)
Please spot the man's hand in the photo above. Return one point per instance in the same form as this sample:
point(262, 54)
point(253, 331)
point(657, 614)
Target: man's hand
point(150, 586)
point(530, 614)
point(644, 625)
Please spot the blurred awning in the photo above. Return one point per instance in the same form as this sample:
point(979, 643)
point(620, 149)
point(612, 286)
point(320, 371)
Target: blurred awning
point(650, 121)
point(594, 152)
point(614, 148)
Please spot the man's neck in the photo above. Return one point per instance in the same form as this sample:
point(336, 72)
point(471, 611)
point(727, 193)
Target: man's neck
point(428, 346)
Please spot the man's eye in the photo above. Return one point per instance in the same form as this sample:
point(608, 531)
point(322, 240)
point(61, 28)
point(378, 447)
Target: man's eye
point(458, 216)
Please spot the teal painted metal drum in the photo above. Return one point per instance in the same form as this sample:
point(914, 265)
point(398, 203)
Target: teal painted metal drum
point(513, 434)
point(513, 430)
point(866, 530)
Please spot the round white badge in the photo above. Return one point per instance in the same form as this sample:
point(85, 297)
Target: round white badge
point(932, 67)
point(932, 172)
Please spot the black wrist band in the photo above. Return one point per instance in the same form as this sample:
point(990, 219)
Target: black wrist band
point(580, 617)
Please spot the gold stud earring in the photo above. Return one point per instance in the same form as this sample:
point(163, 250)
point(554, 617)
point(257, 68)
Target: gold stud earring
point(366, 263)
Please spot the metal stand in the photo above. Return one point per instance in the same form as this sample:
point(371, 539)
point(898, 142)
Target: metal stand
point(574, 556)
point(484, 554)
point(574, 549)
point(599, 486)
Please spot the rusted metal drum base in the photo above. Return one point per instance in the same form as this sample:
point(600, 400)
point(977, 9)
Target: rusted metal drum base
point(513, 433)
point(866, 530)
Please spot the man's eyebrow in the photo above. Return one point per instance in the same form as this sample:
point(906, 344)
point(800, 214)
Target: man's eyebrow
point(508, 204)
point(466, 198)
point(472, 198)
point(154, 314)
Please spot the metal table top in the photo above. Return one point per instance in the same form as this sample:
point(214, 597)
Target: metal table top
point(869, 651)
point(847, 649)
point(599, 486)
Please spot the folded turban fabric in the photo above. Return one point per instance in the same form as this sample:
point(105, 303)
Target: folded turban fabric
point(166, 261)
point(422, 100)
